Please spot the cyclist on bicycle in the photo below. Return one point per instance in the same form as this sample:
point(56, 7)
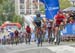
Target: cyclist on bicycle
point(28, 35)
point(50, 30)
point(38, 22)
point(59, 22)
point(16, 33)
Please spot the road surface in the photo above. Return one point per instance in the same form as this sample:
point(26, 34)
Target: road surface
point(64, 47)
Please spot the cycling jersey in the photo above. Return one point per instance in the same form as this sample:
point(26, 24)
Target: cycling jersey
point(38, 21)
point(59, 19)
point(28, 29)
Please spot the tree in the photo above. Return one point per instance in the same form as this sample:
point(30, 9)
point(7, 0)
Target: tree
point(17, 19)
point(7, 12)
point(9, 9)
point(64, 4)
point(42, 9)
point(1, 1)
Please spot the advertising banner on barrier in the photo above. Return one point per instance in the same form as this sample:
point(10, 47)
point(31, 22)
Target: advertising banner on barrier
point(51, 8)
point(69, 29)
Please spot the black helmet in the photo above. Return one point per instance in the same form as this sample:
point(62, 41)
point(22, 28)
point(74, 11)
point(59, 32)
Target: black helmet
point(38, 15)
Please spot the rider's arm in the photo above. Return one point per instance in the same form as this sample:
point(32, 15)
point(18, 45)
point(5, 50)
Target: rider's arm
point(65, 20)
point(43, 20)
point(34, 22)
point(54, 21)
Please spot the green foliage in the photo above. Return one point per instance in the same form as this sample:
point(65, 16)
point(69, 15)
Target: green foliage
point(64, 4)
point(42, 9)
point(7, 12)
point(1, 1)
point(17, 18)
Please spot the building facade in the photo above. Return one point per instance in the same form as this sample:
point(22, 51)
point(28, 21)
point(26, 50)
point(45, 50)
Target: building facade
point(23, 7)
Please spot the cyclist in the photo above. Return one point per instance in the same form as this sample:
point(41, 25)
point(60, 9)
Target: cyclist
point(49, 27)
point(16, 33)
point(28, 36)
point(37, 22)
point(59, 22)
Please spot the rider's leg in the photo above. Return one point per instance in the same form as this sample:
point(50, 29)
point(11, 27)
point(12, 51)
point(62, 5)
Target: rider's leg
point(49, 35)
point(43, 34)
point(29, 38)
point(56, 34)
point(41, 37)
point(58, 37)
point(41, 41)
point(38, 39)
point(26, 38)
point(51, 38)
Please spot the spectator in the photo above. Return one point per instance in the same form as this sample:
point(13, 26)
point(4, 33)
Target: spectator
point(71, 19)
point(74, 16)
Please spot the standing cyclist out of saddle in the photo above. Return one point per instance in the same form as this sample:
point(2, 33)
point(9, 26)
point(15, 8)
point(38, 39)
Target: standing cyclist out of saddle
point(59, 23)
point(38, 33)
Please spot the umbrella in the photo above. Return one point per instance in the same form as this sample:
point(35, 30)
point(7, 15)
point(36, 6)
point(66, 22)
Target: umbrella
point(69, 9)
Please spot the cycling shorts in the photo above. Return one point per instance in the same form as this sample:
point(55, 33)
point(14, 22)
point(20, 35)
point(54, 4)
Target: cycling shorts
point(38, 24)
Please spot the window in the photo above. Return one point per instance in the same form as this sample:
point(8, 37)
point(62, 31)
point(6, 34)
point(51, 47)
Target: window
point(21, 1)
point(22, 12)
point(21, 6)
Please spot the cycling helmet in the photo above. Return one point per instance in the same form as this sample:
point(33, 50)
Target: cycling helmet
point(38, 14)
